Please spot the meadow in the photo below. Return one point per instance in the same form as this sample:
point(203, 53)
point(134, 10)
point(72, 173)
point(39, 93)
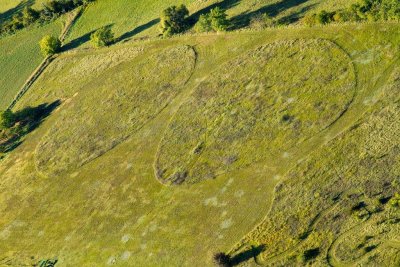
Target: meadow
point(108, 205)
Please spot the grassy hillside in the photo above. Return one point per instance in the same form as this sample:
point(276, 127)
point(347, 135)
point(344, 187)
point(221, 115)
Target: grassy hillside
point(163, 152)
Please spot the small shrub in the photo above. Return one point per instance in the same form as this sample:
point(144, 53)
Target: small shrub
point(102, 37)
point(174, 20)
point(222, 260)
point(324, 17)
point(309, 20)
point(49, 45)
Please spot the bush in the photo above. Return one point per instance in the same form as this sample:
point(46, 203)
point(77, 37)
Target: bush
point(7, 119)
point(324, 17)
point(395, 200)
point(50, 45)
point(216, 21)
point(102, 37)
point(174, 20)
point(222, 260)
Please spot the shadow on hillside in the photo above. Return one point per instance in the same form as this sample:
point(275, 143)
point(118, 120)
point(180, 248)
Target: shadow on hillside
point(225, 4)
point(243, 20)
point(247, 255)
point(80, 40)
point(126, 36)
point(27, 120)
point(15, 10)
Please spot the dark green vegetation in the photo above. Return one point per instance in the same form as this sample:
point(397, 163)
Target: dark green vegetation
point(174, 20)
point(216, 21)
point(277, 147)
point(102, 37)
point(366, 10)
point(14, 126)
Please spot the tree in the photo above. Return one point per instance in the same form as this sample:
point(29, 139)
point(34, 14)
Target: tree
point(49, 45)
point(102, 37)
point(219, 21)
point(324, 17)
point(7, 119)
point(222, 260)
point(216, 21)
point(203, 24)
point(173, 20)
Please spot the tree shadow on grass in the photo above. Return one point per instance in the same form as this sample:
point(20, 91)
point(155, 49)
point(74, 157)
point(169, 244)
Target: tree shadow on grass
point(126, 36)
point(27, 120)
point(15, 10)
point(247, 255)
point(243, 20)
point(80, 40)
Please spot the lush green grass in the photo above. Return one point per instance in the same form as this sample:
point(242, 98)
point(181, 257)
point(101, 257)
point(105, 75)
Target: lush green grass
point(114, 210)
point(20, 55)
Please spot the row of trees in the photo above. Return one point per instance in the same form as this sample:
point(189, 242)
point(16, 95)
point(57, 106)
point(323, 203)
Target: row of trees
point(50, 45)
point(366, 10)
point(175, 20)
point(50, 11)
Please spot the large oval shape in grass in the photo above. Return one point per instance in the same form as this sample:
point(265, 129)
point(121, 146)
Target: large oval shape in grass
point(112, 107)
point(256, 106)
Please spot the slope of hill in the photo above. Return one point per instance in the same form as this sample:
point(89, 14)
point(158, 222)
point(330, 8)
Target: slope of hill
point(279, 147)
point(162, 152)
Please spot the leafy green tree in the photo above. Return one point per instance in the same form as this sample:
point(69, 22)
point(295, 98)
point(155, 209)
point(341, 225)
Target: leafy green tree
point(174, 20)
point(49, 45)
point(102, 37)
point(7, 119)
point(324, 17)
point(203, 24)
point(216, 21)
point(219, 21)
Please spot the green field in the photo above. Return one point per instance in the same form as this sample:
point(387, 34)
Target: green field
point(278, 146)
point(20, 55)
